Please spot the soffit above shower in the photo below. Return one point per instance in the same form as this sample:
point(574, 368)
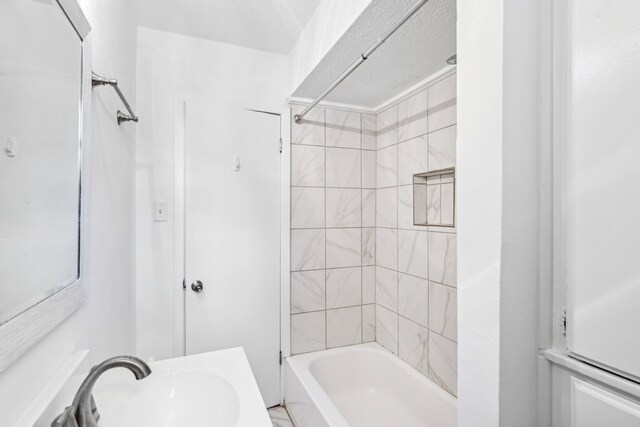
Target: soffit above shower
point(269, 25)
point(417, 50)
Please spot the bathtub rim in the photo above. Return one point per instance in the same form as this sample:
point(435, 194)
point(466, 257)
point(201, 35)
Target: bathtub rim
point(301, 364)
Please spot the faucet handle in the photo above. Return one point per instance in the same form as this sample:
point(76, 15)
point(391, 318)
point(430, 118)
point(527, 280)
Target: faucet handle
point(67, 418)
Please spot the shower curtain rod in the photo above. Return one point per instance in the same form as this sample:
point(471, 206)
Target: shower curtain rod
point(298, 117)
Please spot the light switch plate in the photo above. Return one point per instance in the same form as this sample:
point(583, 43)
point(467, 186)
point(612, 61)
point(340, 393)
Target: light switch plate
point(160, 211)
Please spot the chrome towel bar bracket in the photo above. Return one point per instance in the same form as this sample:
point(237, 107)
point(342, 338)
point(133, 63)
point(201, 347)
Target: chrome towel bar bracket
point(97, 80)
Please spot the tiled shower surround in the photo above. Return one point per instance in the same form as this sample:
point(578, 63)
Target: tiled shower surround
point(416, 300)
point(361, 271)
point(333, 165)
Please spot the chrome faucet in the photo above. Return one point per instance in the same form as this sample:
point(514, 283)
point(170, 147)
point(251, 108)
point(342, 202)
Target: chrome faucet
point(83, 411)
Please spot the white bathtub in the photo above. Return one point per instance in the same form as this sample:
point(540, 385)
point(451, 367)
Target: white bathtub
point(363, 386)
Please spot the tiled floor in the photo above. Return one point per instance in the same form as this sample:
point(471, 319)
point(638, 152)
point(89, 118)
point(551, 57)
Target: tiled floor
point(279, 417)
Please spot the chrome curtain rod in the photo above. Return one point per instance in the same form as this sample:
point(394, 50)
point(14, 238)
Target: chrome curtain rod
point(298, 117)
point(97, 80)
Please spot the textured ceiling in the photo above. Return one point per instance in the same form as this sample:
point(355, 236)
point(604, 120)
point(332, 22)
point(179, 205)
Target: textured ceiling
point(417, 50)
point(269, 25)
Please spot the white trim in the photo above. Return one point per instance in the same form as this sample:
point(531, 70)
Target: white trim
point(179, 312)
point(332, 105)
point(423, 84)
point(26, 329)
point(560, 125)
point(429, 81)
point(285, 241)
point(599, 375)
point(546, 321)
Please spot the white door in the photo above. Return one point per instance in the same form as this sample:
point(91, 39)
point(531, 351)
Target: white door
point(232, 236)
point(597, 206)
point(602, 200)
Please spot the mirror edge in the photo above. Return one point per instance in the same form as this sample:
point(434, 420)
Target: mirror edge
point(29, 327)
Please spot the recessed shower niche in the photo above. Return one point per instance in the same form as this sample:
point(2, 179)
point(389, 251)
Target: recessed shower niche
point(434, 198)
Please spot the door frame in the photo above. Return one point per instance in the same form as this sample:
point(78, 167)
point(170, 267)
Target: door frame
point(179, 306)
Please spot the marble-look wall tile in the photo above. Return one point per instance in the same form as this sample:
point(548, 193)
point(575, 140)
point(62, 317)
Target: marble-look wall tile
point(368, 208)
point(368, 323)
point(308, 332)
point(412, 116)
point(443, 258)
point(447, 204)
point(405, 209)
point(368, 246)
point(387, 288)
point(344, 287)
point(344, 247)
point(422, 139)
point(413, 298)
point(333, 220)
point(387, 329)
point(344, 326)
point(387, 127)
point(307, 291)
point(412, 159)
point(434, 212)
point(369, 166)
point(413, 345)
point(343, 129)
point(442, 104)
point(443, 310)
point(387, 207)
point(307, 249)
point(344, 207)
point(368, 285)
point(443, 362)
point(387, 170)
point(307, 207)
point(344, 168)
point(369, 132)
point(441, 150)
point(387, 248)
point(307, 166)
point(412, 252)
point(310, 131)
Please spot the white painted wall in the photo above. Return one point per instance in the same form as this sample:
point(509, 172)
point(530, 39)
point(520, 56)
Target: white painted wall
point(103, 325)
point(173, 68)
point(498, 196)
point(330, 21)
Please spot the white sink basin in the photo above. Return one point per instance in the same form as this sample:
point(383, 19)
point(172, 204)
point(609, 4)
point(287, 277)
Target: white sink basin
point(177, 400)
point(210, 389)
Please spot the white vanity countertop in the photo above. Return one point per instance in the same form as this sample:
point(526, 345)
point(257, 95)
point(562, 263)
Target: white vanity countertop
point(216, 388)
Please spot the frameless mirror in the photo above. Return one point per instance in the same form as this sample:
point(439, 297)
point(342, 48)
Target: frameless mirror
point(40, 131)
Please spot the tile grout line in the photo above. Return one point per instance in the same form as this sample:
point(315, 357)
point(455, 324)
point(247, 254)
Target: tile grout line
point(386, 228)
point(397, 234)
point(324, 148)
point(417, 136)
point(361, 239)
point(427, 260)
